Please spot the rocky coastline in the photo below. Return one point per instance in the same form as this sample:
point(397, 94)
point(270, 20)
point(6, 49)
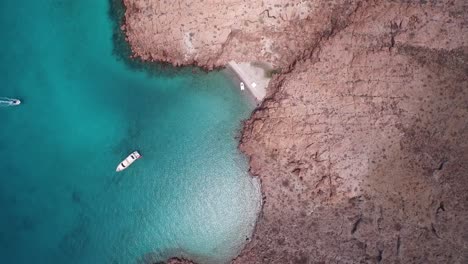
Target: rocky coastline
point(360, 143)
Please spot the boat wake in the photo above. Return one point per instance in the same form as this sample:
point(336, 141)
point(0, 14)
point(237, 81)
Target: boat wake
point(5, 102)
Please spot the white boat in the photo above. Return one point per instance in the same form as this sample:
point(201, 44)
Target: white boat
point(242, 86)
point(5, 101)
point(128, 161)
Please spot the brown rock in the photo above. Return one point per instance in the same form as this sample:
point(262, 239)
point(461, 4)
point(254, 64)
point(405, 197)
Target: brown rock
point(210, 33)
point(369, 134)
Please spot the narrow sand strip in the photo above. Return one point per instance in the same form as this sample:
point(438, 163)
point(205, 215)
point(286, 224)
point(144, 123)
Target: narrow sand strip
point(254, 78)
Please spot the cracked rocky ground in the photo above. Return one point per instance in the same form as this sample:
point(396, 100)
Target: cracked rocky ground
point(362, 143)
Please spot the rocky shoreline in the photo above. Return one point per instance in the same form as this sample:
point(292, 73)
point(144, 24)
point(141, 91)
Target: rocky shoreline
point(360, 144)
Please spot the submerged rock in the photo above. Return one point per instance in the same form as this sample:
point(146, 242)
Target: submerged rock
point(179, 261)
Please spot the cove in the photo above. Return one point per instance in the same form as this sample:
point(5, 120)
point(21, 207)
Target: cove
point(85, 108)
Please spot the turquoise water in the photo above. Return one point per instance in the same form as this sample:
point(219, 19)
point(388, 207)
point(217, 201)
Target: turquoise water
point(85, 109)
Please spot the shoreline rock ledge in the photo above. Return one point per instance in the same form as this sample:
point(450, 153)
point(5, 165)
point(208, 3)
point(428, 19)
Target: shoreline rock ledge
point(360, 143)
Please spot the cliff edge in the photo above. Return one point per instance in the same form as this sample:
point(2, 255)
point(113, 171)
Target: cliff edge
point(361, 143)
point(211, 33)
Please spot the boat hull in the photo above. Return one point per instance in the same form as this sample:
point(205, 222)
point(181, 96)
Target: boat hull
point(128, 161)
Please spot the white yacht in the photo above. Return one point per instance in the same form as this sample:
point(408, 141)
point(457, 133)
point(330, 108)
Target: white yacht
point(128, 161)
point(242, 86)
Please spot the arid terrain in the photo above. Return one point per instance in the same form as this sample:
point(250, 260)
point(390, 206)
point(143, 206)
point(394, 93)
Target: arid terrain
point(362, 141)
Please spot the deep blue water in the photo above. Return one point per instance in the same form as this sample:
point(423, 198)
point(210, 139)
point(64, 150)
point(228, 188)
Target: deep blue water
point(85, 108)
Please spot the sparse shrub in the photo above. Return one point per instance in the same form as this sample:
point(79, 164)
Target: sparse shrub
point(271, 72)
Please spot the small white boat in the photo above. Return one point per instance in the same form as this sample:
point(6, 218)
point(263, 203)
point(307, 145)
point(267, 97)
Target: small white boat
point(128, 161)
point(242, 86)
point(5, 101)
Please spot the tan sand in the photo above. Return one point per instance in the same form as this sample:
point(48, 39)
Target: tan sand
point(254, 78)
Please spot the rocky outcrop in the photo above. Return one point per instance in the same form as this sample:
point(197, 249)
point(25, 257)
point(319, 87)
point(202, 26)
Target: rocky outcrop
point(179, 261)
point(361, 144)
point(175, 261)
point(210, 33)
point(362, 148)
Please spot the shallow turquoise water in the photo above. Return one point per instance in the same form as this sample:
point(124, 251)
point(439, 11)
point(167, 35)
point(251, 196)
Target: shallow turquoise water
point(84, 109)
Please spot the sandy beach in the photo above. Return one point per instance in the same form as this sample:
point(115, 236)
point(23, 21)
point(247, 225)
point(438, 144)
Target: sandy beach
point(253, 77)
